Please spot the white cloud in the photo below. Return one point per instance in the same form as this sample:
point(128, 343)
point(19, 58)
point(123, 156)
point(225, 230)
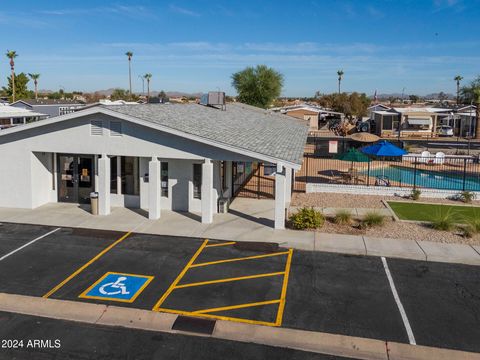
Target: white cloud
point(183, 11)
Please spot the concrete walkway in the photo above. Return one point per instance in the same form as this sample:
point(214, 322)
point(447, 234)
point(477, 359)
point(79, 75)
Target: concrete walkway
point(248, 220)
point(323, 343)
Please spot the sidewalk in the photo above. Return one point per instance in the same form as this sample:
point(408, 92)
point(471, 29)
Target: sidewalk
point(246, 221)
point(317, 342)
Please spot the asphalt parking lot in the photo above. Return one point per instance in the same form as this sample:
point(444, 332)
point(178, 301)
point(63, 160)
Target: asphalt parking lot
point(101, 342)
point(350, 295)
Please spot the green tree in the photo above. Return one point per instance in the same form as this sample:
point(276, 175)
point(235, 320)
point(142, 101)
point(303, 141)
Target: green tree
point(35, 77)
point(258, 86)
point(119, 94)
point(340, 77)
point(12, 55)
point(20, 88)
point(457, 79)
point(468, 92)
point(129, 56)
point(414, 98)
point(353, 105)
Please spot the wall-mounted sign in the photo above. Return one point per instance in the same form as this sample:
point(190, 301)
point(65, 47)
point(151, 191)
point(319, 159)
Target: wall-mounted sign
point(333, 147)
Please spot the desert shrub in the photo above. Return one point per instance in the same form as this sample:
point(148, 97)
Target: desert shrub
point(467, 196)
point(443, 220)
point(307, 218)
point(343, 217)
point(467, 231)
point(415, 194)
point(473, 225)
point(372, 219)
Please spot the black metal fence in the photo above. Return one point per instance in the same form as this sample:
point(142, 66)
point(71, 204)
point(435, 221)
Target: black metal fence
point(434, 171)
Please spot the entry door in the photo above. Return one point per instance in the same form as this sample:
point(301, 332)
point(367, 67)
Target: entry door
point(75, 178)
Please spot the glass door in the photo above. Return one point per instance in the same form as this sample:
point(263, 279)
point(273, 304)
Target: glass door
point(75, 178)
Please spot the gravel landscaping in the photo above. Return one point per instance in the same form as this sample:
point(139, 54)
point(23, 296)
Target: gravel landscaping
point(357, 201)
point(391, 229)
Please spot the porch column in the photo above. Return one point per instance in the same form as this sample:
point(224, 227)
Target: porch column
point(288, 185)
point(104, 185)
point(228, 178)
point(154, 189)
point(207, 192)
point(280, 190)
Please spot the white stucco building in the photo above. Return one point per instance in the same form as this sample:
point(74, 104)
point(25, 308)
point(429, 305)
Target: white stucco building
point(154, 156)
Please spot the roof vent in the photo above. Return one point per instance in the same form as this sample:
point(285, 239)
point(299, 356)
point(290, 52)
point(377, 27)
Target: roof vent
point(214, 98)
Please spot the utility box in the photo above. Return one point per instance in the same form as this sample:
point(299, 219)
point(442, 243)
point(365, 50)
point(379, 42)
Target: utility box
point(223, 206)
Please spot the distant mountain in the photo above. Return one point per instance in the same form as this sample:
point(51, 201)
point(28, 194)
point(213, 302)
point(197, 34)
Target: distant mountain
point(109, 92)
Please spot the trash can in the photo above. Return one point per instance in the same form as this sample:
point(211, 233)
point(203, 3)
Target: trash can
point(94, 202)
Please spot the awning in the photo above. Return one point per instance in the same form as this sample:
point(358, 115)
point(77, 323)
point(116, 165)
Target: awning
point(419, 121)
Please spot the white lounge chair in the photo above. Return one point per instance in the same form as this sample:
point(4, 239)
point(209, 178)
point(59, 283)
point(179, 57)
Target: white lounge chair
point(425, 157)
point(439, 158)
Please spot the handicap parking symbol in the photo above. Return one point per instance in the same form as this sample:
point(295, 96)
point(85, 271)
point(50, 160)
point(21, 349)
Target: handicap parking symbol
point(117, 287)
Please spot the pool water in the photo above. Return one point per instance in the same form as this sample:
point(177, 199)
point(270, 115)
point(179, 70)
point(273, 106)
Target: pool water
point(427, 179)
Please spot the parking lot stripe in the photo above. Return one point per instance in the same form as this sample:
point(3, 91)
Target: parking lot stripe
point(408, 328)
point(180, 276)
point(240, 306)
point(283, 297)
point(27, 244)
point(229, 279)
point(79, 270)
point(221, 244)
point(217, 317)
point(239, 259)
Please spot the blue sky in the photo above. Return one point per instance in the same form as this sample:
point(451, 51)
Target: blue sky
point(195, 46)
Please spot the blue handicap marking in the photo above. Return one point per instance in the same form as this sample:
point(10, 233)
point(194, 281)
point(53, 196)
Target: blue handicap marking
point(118, 287)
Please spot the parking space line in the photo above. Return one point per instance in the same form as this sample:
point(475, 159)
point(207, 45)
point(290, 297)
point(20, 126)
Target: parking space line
point(83, 267)
point(229, 279)
point(233, 307)
point(217, 317)
point(180, 276)
point(27, 244)
point(406, 323)
point(283, 297)
point(239, 259)
point(221, 244)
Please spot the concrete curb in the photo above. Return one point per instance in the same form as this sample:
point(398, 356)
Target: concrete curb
point(323, 343)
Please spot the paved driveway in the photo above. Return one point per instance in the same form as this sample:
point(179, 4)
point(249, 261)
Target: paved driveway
point(389, 299)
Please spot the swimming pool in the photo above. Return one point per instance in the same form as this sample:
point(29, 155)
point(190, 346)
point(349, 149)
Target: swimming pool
point(427, 179)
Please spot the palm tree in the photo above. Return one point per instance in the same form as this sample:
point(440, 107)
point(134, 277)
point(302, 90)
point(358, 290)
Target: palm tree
point(129, 55)
point(458, 78)
point(12, 55)
point(35, 77)
point(340, 76)
point(147, 77)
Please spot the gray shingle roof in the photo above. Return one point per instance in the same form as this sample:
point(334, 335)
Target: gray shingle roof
point(241, 126)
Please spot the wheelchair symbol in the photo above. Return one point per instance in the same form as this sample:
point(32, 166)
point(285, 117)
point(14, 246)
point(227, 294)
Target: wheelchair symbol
point(114, 288)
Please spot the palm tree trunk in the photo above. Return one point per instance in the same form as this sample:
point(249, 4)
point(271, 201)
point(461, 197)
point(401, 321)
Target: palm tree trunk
point(13, 85)
point(36, 90)
point(339, 81)
point(458, 92)
point(148, 90)
point(130, 75)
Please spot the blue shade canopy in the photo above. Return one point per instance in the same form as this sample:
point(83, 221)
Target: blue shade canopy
point(383, 148)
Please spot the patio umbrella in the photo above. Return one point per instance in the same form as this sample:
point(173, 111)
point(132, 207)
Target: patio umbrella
point(383, 149)
point(365, 137)
point(353, 155)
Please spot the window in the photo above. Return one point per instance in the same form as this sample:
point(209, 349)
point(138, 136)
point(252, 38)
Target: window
point(130, 175)
point(113, 175)
point(197, 181)
point(164, 179)
point(223, 177)
point(62, 110)
point(387, 123)
point(269, 169)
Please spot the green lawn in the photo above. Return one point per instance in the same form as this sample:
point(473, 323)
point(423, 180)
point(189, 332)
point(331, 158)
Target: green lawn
point(427, 212)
